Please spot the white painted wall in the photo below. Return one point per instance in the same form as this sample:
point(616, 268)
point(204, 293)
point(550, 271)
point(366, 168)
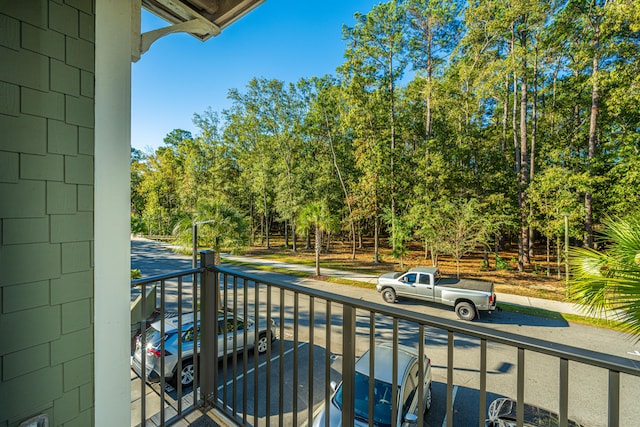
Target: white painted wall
point(111, 213)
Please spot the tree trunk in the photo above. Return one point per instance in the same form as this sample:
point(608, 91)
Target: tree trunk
point(516, 148)
point(344, 187)
point(505, 114)
point(429, 82)
point(266, 222)
point(548, 257)
point(595, 104)
point(253, 224)
point(328, 245)
point(426, 249)
point(375, 240)
point(524, 175)
point(393, 149)
point(558, 257)
point(294, 237)
point(318, 248)
point(286, 234)
point(534, 129)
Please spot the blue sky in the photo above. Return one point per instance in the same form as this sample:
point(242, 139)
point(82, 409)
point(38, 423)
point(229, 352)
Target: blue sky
point(280, 39)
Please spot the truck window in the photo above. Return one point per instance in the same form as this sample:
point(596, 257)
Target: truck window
point(424, 279)
point(410, 278)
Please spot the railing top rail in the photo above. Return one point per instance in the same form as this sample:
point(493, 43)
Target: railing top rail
point(562, 351)
point(172, 275)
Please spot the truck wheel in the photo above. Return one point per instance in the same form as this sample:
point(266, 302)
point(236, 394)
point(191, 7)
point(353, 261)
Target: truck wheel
point(465, 311)
point(389, 295)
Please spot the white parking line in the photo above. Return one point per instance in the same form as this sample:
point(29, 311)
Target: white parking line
point(453, 400)
point(239, 377)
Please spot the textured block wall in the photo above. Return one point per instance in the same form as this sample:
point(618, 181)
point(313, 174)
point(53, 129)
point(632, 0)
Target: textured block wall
point(46, 211)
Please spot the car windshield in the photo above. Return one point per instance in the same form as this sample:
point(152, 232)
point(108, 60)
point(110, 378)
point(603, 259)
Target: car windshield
point(382, 398)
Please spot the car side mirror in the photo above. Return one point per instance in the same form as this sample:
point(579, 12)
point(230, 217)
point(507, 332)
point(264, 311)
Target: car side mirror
point(334, 385)
point(410, 420)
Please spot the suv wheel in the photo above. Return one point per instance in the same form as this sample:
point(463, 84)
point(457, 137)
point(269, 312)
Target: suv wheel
point(263, 343)
point(186, 375)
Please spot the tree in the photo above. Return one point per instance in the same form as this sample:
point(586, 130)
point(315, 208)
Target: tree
point(317, 216)
point(323, 123)
point(465, 227)
point(227, 229)
point(376, 60)
point(253, 150)
point(610, 279)
point(433, 30)
point(400, 237)
point(138, 166)
point(553, 194)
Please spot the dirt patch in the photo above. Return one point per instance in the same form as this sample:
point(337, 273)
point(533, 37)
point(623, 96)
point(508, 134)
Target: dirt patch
point(531, 282)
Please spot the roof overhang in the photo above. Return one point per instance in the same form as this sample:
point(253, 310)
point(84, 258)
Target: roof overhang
point(202, 19)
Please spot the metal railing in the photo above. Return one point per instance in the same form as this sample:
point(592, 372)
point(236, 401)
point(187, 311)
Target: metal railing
point(166, 409)
point(320, 334)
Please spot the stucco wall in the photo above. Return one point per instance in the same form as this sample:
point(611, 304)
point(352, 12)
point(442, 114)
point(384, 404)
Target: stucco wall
point(46, 211)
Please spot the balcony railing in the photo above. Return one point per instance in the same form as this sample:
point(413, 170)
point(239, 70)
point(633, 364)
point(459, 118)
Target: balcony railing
point(320, 335)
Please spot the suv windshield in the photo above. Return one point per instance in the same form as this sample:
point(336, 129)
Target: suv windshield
point(382, 406)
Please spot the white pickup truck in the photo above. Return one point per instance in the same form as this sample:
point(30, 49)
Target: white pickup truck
point(468, 297)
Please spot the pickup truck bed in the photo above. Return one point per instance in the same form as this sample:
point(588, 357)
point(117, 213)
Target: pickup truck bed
point(477, 285)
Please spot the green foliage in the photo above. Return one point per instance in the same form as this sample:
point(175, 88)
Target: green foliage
point(450, 145)
point(464, 227)
point(223, 227)
point(399, 235)
point(501, 264)
point(137, 225)
point(610, 279)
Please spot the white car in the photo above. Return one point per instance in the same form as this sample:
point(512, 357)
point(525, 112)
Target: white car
point(229, 326)
point(408, 383)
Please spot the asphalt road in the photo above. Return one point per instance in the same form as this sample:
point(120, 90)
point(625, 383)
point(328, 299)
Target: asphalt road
point(587, 389)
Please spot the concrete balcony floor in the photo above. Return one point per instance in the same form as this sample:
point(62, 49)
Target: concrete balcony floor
point(194, 419)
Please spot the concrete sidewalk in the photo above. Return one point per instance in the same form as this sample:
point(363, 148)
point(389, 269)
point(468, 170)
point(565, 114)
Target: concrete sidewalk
point(545, 304)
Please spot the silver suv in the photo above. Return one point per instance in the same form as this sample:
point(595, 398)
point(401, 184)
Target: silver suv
point(229, 327)
point(408, 383)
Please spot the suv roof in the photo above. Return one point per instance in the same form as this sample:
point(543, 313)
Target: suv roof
point(384, 360)
point(171, 323)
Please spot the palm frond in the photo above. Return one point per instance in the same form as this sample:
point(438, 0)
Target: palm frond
point(609, 280)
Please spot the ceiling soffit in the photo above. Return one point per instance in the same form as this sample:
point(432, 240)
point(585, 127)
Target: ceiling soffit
point(200, 18)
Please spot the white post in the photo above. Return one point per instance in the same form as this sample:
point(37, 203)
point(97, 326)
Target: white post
point(112, 398)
